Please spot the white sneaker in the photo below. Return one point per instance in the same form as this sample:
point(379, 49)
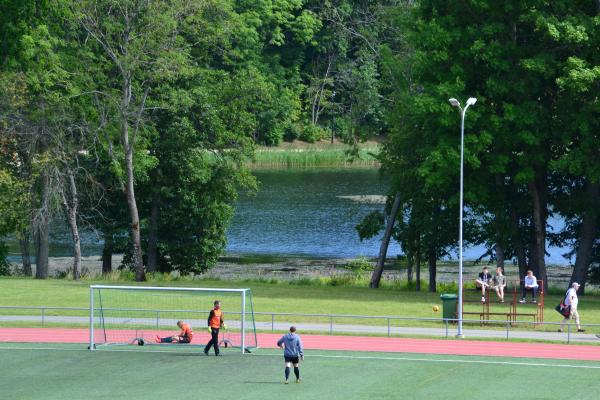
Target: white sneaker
point(522, 301)
point(482, 299)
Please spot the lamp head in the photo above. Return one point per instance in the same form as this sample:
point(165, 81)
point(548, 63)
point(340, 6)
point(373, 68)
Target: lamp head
point(454, 102)
point(471, 101)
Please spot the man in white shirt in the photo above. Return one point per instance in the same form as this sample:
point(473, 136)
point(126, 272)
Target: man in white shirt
point(529, 285)
point(572, 300)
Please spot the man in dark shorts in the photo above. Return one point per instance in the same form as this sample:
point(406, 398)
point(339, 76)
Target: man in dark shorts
point(185, 336)
point(292, 353)
point(215, 322)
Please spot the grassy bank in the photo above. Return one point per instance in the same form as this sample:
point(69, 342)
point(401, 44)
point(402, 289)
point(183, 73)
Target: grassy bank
point(275, 296)
point(314, 155)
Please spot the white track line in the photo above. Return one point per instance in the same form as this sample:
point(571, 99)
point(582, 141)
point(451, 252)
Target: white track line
point(457, 361)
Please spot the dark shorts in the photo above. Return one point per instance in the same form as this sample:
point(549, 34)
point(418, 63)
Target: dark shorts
point(184, 339)
point(293, 360)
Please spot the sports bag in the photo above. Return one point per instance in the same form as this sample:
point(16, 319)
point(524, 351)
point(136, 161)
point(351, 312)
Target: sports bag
point(563, 309)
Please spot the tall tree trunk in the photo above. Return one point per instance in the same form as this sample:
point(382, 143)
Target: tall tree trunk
point(418, 264)
point(409, 270)
point(385, 242)
point(41, 251)
point(537, 190)
point(107, 252)
point(518, 244)
point(432, 260)
point(128, 145)
point(153, 232)
point(25, 256)
point(76, 244)
point(500, 218)
point(41, 232)
point(499, 256)
point(71, 211)
point(587, 234)
point(135, 220)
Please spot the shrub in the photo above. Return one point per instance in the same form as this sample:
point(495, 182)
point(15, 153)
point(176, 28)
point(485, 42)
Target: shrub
point(311, 133)
point(360, 267)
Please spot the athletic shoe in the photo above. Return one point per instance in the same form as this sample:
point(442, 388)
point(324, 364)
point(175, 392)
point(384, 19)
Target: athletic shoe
point(533, 301)
point(286, 382)
point(522, 301)
point(560, 330)
point(483, 299)
point(206, 353)
point(218, 355)
point(580, 330)
point(298, 380)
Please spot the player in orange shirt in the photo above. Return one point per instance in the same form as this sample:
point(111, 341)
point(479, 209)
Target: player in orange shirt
point(185, 336)
point(215, 322)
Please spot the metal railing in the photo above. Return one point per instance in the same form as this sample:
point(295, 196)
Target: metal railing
point(383, 325)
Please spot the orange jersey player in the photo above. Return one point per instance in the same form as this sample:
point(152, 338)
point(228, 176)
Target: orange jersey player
point(185, 336)
point(215, 322)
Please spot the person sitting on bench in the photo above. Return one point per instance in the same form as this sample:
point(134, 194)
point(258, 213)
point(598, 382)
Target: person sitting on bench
point(185, 336)
point(499, 284)
point(483, 282)
point(529, 285)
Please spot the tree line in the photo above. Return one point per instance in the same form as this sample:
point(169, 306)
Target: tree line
point(532, 141)
point(135, 118)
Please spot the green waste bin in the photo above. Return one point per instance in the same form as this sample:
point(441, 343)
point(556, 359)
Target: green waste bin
point(449, 302)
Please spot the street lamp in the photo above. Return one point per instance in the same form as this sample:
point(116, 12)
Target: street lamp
point(456, 103)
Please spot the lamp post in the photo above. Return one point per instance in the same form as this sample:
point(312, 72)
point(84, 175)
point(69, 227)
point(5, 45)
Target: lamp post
point(463, 111)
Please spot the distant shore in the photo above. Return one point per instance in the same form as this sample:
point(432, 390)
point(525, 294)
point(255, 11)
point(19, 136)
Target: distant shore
point(320, 154)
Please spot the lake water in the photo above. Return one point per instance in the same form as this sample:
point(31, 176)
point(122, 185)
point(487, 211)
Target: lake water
point(301, 212)
point(297, 213)
point(305, 212)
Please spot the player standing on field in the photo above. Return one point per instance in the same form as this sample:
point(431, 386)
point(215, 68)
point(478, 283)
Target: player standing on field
point(292, 353)
point(215, 321)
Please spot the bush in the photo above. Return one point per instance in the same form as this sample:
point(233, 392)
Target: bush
point(360, 267)
point(312, 133)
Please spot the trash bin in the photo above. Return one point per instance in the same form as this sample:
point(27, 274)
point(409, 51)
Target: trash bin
point(449, 302)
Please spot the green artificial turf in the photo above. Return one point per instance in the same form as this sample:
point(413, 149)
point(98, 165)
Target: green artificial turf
point(34, 371)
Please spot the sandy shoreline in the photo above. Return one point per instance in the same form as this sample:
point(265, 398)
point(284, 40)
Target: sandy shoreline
point(282, 268)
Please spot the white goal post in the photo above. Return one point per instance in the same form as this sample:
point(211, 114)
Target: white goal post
point(127, 315)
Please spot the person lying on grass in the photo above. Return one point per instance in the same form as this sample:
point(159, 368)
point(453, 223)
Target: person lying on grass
point(185, 336)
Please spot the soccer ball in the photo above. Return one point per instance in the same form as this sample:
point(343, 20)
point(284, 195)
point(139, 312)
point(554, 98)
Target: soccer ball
point(140, 342)
point(436, 309)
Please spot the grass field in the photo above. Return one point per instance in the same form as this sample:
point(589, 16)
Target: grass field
point(280, 297)
point(70, 371)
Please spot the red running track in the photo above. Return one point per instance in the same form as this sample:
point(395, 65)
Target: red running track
point(350, 343)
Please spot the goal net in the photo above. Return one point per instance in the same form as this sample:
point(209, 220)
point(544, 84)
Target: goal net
point(135, 315)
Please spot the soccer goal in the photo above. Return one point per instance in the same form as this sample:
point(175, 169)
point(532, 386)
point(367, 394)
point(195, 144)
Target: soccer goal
point(128, 315)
